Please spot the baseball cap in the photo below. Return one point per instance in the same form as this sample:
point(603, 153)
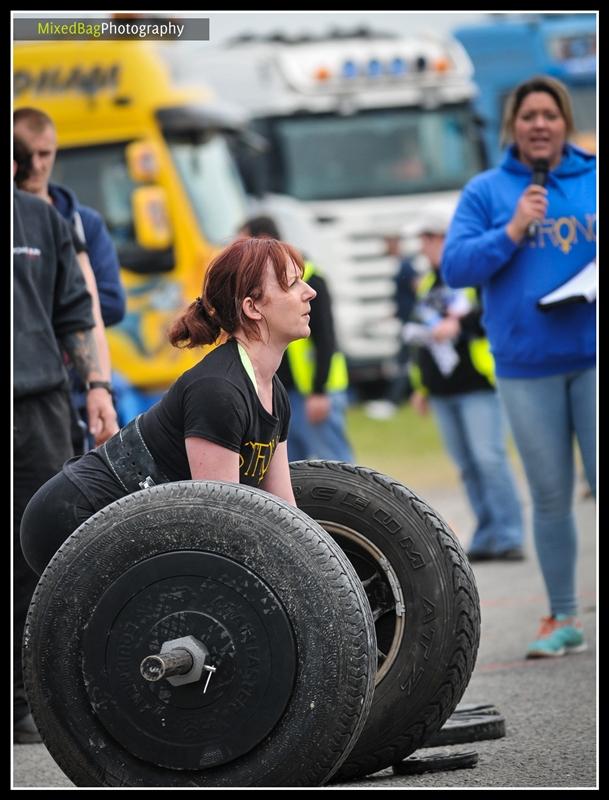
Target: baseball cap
point(433, 218)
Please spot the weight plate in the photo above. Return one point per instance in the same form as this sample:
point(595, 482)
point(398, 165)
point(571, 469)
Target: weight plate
point(260, 583)
point(234, 614)
point(478, 709)
point(440, 762)
point(460, 729)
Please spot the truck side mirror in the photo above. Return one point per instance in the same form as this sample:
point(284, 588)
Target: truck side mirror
point(252, 170)
point(153, 229)
point(143, 162)
point(250, 151)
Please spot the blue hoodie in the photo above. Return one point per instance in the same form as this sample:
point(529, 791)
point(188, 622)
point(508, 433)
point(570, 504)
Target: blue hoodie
point(101, 251)
point(525, 341)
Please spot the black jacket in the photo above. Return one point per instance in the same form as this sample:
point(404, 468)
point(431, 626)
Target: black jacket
point(465, 377)
point(50, 299)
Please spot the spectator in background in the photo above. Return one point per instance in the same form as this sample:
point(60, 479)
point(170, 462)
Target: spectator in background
point(405, 297)
point(518, 241)
point(453, 373)
point(52, 312)
point(96, 254)
point(313, 371)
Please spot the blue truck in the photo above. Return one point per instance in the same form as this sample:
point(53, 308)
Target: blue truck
point(513, 47)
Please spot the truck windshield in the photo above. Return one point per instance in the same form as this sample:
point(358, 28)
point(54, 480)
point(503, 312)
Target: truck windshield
point(212, 183)
point(100, 179)
point(375, 153)
point(584, 107)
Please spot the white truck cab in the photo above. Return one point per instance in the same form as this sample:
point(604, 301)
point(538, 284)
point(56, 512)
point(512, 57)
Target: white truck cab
point(365, 130)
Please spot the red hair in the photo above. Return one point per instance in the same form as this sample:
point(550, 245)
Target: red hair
point(239, 271)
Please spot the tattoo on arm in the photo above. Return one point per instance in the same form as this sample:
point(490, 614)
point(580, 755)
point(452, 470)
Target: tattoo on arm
point(82, 350)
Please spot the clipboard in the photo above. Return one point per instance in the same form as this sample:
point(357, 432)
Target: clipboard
point(581, 288)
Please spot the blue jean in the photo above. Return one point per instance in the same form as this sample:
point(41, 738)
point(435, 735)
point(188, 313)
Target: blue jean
point(545, 414)
point(400, 387)
point(473, 431)
point(327, 439)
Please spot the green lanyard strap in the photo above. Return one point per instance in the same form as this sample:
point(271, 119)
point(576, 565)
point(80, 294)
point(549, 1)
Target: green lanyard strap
point(247, 365)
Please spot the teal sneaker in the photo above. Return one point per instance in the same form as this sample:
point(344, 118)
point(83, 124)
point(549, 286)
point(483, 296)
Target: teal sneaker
point(557, 636)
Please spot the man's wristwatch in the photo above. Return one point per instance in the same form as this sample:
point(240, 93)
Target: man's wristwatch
point(98, 385)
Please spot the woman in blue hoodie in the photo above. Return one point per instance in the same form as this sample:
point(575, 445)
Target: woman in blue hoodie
point(518, 241)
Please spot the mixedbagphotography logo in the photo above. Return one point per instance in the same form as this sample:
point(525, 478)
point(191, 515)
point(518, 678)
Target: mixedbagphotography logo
point(96, 29)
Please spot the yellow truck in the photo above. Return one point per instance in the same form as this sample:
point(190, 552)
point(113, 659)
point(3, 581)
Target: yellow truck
point(155, 160)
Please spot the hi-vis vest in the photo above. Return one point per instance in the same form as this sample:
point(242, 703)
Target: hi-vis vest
point(301, 358)
point(479, 348)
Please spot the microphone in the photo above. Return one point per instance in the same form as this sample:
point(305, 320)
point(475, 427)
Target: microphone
point(541, 167)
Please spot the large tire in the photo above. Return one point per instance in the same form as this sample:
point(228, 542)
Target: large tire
point(423, 597)
point(308, 576)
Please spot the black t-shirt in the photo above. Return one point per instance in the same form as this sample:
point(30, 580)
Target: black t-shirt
point(214, 400)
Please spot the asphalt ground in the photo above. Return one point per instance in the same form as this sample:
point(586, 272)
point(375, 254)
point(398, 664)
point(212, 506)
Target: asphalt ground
point(550, 705)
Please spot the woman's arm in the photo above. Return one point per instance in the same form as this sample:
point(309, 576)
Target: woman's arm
point(210, 461)
point(277, 480)
point(475, 248)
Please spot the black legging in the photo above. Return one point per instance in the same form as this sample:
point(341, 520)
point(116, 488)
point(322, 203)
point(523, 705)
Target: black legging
point(53, 513)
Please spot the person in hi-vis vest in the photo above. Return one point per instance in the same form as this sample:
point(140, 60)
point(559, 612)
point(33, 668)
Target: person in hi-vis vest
point(313, 371)
point(453, 373)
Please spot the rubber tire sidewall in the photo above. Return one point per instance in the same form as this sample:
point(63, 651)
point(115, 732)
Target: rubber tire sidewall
point(440, 641)
point(318, 589)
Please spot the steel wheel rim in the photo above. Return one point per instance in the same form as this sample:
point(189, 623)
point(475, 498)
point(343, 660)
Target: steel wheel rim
point(383, 572)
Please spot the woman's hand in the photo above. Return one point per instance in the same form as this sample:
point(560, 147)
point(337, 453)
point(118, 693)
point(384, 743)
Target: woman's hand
point(446, 329)
point(317, 408)
point(418, 400)
point(532, 207)
point(277, 479)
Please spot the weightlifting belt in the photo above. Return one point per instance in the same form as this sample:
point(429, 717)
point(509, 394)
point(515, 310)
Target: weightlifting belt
point(130, 459)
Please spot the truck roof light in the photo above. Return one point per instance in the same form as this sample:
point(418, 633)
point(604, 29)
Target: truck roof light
point(398, 66)
point(349, 69)
point(374, 68)
point(442, 64)
point(322, 74)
